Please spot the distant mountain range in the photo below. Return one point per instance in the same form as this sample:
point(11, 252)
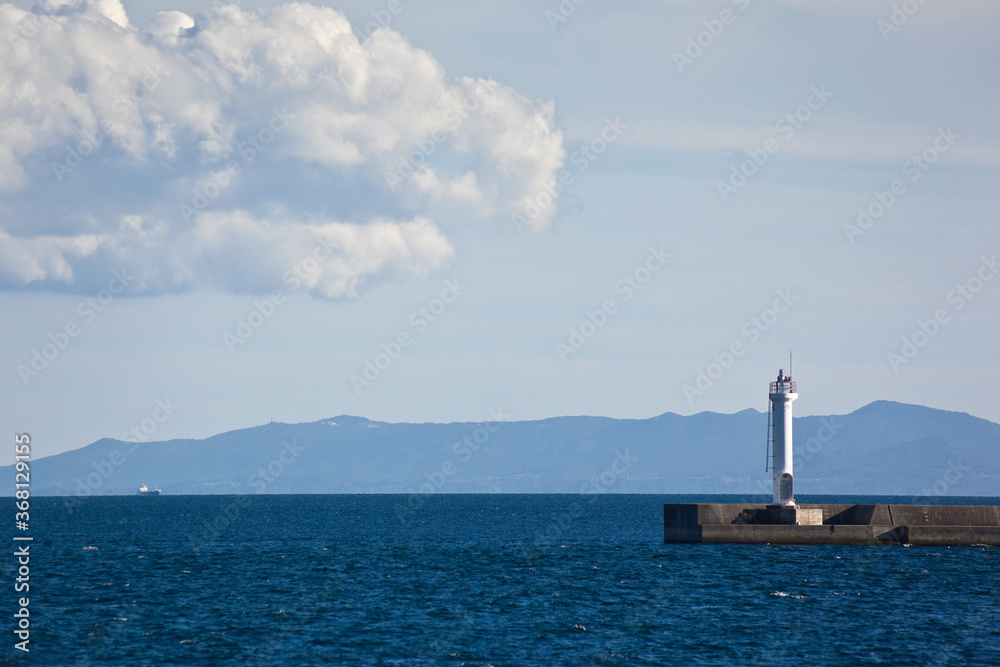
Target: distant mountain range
point(882, 448)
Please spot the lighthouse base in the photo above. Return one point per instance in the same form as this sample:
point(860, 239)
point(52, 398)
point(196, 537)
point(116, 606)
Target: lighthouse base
point(781, 515)
point(939, 525)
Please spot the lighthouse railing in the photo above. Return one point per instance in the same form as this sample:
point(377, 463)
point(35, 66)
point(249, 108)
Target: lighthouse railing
point(784, 387)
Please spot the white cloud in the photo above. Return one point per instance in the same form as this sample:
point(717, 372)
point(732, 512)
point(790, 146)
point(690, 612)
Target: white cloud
point(235, 251)
point(211, 151)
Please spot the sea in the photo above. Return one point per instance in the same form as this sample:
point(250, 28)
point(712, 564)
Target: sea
point(478, 580)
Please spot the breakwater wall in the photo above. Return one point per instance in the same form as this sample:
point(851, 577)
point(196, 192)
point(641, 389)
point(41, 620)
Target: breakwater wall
point(731, 523)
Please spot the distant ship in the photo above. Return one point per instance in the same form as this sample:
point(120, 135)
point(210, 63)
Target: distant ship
point(146, 491)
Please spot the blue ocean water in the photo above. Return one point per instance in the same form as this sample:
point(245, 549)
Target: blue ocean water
point(478, 580)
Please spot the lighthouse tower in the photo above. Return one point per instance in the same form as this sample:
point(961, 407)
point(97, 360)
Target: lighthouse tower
point(782, 393)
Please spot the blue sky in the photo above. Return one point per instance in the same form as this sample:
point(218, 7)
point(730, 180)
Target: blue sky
point(281, 200)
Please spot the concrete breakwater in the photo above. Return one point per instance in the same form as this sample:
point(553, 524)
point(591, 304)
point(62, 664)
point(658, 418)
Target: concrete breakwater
point(734, 523)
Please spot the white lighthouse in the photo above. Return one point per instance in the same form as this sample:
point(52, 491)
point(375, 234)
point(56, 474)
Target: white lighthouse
point(782, 393)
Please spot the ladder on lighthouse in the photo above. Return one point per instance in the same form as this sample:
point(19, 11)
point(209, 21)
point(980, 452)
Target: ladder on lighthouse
point(768, 456)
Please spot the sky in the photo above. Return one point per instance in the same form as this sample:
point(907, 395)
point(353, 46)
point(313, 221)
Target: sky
point(214, 216)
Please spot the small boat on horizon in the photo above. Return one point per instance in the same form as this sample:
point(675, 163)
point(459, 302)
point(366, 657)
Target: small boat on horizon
point(146, 491)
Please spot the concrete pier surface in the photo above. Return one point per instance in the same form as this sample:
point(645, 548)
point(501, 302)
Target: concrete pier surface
point(736, 523)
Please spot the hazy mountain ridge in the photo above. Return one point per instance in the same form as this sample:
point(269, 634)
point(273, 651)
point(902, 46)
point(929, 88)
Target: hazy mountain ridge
point(882, 448)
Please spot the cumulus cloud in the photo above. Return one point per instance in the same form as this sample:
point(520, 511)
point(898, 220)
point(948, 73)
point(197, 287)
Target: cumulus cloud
point(216, 151)
point(234, 251)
